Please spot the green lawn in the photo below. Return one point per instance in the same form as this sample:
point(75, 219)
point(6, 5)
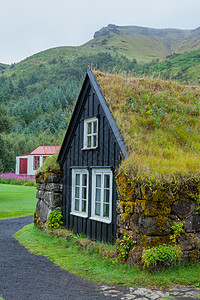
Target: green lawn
point(91, 266)
point(17, 201)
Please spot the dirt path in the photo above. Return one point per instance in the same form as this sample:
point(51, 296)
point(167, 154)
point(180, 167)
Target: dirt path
point(25, 276)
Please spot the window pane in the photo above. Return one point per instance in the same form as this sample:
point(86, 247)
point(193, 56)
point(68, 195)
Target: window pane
point(97, 208)
point(107, 181)
point(94, 140)
point(84, 179)
point(106, 210)
point(95, 127)
point(98, 195)
point(89, 128)
point(84, 192)
point(89, 141)
point(76, 192)
point(77, 204)
point(106, 196)
point(83, 206)
point(98, 180)
point(77, 179)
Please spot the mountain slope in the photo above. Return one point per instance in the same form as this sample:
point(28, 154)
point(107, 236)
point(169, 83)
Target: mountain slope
point(145, 44)
point(3, 66)
point(40, 91)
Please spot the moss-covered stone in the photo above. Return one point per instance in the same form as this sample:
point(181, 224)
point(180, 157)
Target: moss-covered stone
point(147, 213)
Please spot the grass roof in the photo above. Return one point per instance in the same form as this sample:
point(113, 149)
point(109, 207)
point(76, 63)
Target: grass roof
point(159, 122)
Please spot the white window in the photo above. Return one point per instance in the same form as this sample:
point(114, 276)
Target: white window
point(102, 195)
point(79, 192)
point(90, 133)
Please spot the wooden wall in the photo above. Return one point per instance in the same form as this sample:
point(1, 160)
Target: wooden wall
point(107, 154)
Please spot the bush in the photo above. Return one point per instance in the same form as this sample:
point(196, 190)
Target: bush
point(55, 220)
point(124, 246)
point(161, 256)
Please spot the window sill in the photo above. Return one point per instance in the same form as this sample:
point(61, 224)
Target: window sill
point(76, 214)
point(102, 220)
point(92, 148)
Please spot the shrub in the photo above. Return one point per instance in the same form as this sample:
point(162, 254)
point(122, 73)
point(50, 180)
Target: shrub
point(161, 256)
point(124, 246)
point(177, 227)
point(55, 220)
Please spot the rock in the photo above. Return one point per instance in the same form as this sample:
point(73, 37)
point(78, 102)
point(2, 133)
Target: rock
point(151, 241)
point(56, 200)
point(48, 197)
point(152, 226)
point(193, 256)
point(134, 223)
point(49, 194)
point(55, 187)
point(43, 187)
point(120, 221)
point(43, 210)
point(135, 256)
point(54, 178)
point(40, 194)
point(38, 186)
point(187, 241)
point(184, 208)
point(173, 217)
point(192, 223)
point(119, 208)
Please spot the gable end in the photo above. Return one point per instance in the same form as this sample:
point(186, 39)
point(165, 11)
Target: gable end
point(89, 81)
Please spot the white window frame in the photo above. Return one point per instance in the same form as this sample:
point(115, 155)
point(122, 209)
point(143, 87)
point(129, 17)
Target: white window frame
point(101, 172)
point(92, 134)
point(79, 212)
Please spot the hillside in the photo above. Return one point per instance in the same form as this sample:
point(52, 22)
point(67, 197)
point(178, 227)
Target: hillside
point(184, 68)
point(39, 92)
point(145, 44)
point(3, 66)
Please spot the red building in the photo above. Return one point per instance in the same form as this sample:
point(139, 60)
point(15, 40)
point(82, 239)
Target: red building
point(29, 163)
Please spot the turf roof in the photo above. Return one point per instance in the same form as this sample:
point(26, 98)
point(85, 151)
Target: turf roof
point(159, 122)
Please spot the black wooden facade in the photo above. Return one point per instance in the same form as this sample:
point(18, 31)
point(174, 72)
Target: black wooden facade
point(109, 153)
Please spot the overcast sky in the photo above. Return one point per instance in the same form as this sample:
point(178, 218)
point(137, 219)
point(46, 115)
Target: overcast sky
point(30, 26)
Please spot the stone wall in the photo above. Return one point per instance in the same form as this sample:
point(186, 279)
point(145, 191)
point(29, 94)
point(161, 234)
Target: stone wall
point(49, 195)
point(147, 216)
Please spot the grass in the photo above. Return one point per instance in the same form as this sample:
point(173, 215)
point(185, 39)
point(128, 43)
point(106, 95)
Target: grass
point(159, 122)
point(17, 201)
point(91, 266)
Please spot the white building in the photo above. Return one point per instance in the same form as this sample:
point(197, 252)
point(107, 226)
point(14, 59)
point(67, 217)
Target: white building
point(29, 163)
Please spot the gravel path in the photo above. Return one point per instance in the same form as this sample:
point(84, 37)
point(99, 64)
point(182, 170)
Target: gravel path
point(25, 276)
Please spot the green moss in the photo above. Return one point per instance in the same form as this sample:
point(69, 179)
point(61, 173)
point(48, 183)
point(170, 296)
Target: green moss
point(193, 256)
point(151, 241)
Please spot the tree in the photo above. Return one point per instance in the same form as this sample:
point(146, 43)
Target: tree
point(7, 157)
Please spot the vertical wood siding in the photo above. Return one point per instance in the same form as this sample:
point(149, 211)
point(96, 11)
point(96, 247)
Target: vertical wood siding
point(107, 154)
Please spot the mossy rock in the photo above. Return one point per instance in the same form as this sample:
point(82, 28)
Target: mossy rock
point(194, 255)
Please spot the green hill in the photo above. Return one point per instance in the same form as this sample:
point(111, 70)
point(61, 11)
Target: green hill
point(3, 66)
point(184, 68)
point(145, 44)
point(39, 92)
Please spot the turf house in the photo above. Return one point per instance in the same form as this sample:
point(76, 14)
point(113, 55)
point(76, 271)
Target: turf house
point(130, 162)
